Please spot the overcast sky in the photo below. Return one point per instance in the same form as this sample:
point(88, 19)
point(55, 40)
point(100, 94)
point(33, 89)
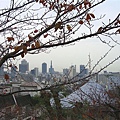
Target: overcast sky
point(64, 57)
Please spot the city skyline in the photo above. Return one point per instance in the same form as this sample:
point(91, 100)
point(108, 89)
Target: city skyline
point(47, 68)
point(44, 68)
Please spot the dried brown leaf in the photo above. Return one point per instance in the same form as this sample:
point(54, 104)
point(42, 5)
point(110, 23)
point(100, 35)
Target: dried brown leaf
point(25, 49)
point(58, 25)
point(99, 29)
point(10, 39)
point(35, 31)
point(33, 46)
point(22, 55)
point(17, 48)
point(92, 15)
point(80, 6)
point(37, 44)
point(81, 22)
point(88, 17)
point(45, 35)
point(69, 27)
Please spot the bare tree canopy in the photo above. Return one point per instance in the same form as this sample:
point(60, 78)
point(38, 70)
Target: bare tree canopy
point(33, 26)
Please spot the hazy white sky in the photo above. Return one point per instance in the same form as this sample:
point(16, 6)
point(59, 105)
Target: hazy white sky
point(64, 57)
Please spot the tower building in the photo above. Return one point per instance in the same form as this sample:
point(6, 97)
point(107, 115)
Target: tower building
point(24, 66)
point(35, 71)
point(51, 69)
point(44, 68)
point(72, 71)
point(83, 71)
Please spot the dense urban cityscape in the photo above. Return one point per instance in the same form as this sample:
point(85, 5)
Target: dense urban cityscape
point(48, 74)
point(57, 60)
point(31, 81)
point(23, 69)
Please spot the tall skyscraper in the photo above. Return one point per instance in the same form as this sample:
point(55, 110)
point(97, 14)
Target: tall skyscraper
point(82, 68)
point(24, 66)
point(44, 68)
point(51, 69)
point(72, 71)
point(83, 71)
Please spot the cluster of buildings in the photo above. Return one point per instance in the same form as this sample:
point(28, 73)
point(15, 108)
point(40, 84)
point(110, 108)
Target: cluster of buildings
point(24, 67)
point(31, 81)
point(47, 73)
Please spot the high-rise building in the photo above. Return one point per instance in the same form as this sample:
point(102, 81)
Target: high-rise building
point(44, 68)
point(34, 72)
point(83, 71)
point(82, 68)
point(51, 69)
point(24, 66)
point(66, 71)
point(72, 71)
